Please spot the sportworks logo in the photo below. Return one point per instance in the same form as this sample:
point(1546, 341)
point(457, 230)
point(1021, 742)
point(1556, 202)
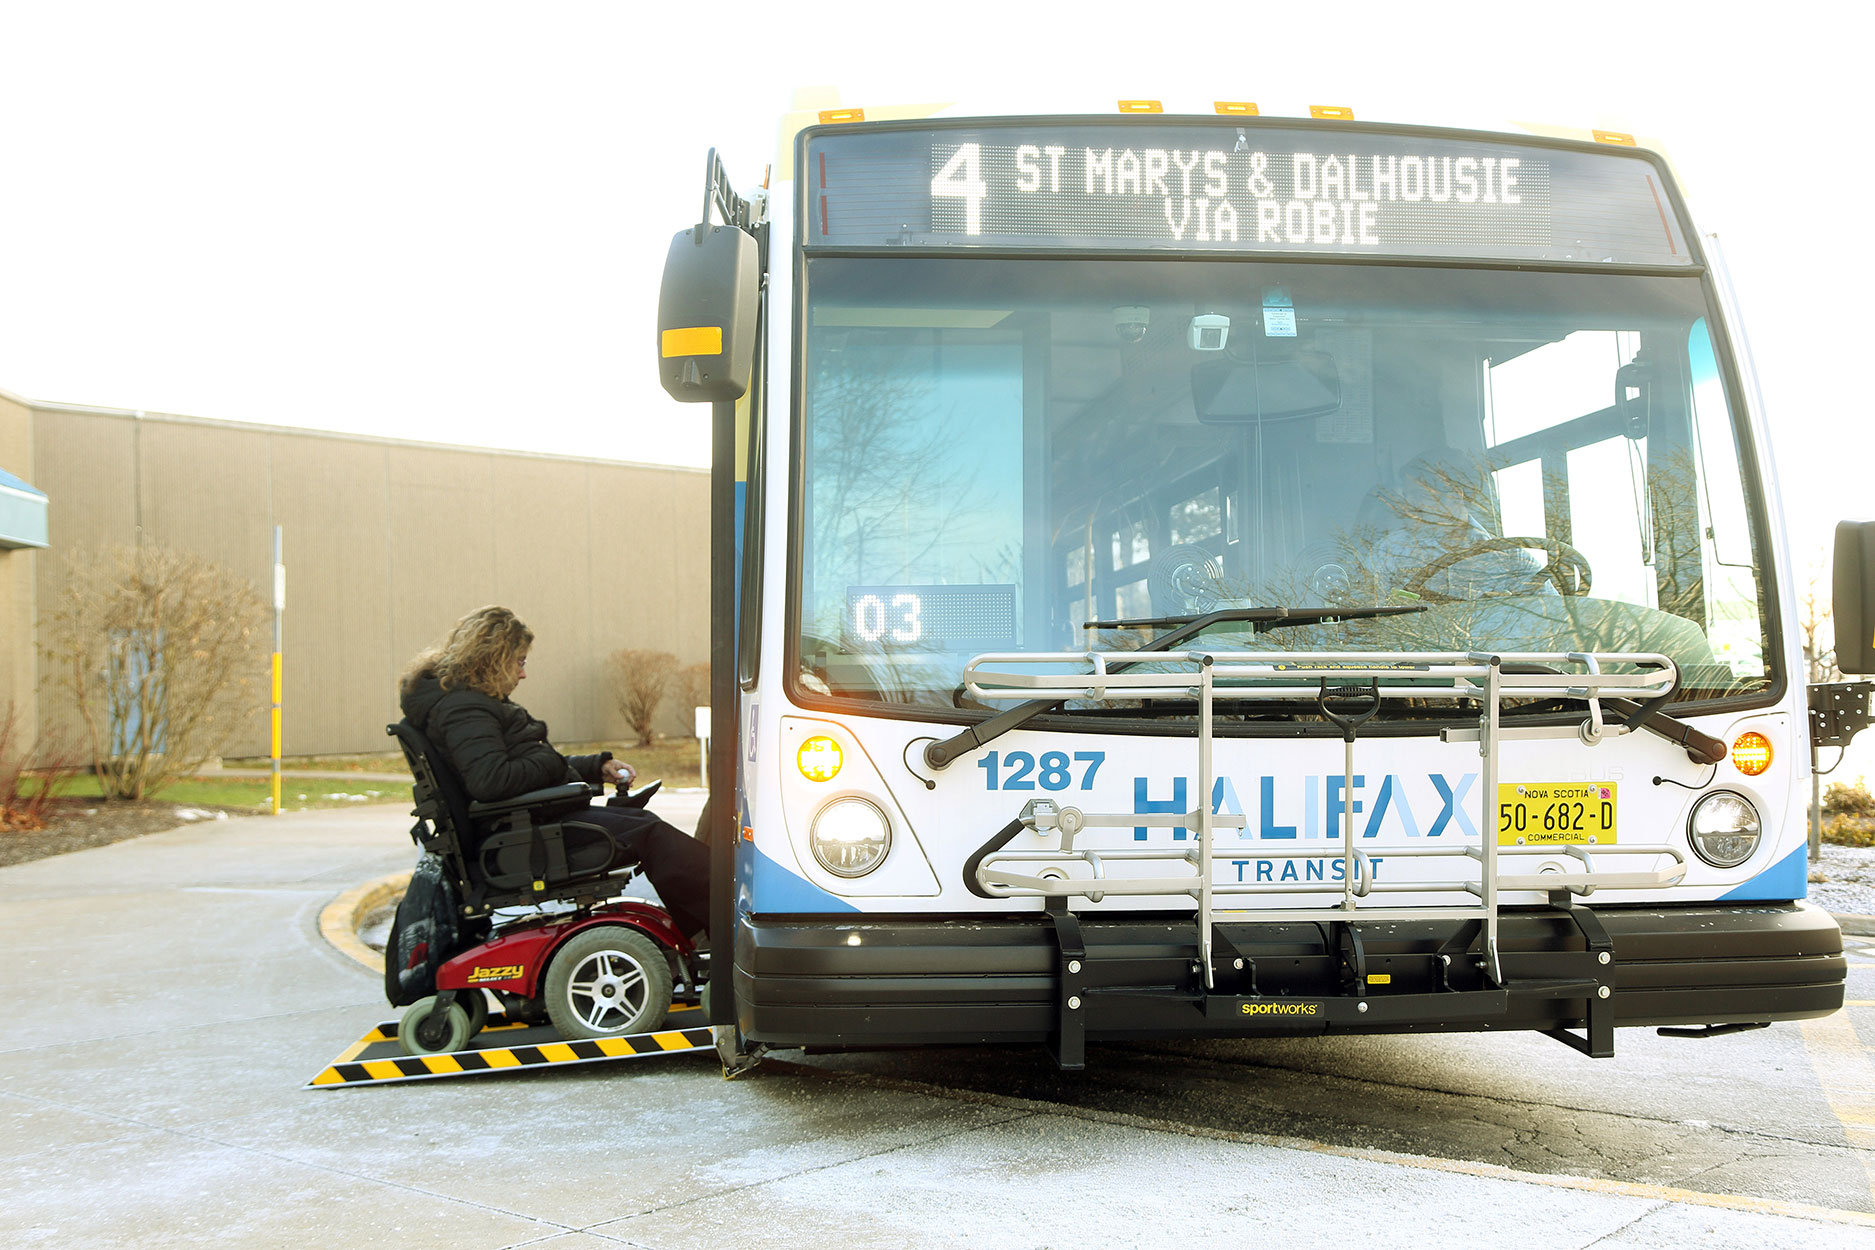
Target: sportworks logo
point(1281, 1009)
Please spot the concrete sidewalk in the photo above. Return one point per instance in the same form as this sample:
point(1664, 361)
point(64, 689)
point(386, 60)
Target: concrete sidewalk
point(170, 995)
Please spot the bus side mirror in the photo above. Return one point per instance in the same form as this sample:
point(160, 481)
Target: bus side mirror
point(706, 314)
point(1852, 596)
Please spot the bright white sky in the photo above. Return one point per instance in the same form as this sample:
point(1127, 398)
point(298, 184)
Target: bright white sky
point(447, 221)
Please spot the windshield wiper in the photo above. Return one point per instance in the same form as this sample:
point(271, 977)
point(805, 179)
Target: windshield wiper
point(1701, 748)
point(940, 754)
point(1265, 619)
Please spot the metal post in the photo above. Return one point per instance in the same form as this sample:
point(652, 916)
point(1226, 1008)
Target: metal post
point(1204, 817)
point(725, 824)
point(1816, 808)
point(279, 607)
point(1347, 820)
point(1487, 827)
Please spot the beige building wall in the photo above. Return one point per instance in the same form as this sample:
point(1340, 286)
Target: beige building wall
point(19, 596)
point(386, 545)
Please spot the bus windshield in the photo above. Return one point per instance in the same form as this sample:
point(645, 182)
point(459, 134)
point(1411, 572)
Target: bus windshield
point(1049, 455)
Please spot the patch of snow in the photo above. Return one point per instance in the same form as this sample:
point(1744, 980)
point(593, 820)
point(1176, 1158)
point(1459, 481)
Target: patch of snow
point(1843, 881)
point(376, 931)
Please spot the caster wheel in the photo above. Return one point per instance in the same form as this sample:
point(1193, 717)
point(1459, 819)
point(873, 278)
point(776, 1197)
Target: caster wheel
point(418, 1034)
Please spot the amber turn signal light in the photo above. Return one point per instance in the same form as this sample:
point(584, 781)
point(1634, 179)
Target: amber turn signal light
point(819, 759)
point(1751, 753)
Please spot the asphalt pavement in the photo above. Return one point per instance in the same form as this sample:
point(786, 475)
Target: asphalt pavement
point(170, 996)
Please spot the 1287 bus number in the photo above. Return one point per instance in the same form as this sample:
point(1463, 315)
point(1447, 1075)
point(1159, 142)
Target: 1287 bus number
point(1019, 770)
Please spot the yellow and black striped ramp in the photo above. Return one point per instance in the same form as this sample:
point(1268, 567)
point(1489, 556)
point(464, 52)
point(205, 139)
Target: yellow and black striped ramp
point(378, 1059)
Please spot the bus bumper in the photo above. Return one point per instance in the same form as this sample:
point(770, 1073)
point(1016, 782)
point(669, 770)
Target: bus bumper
point(836, 982)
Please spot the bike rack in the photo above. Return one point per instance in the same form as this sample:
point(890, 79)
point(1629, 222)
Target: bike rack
point(1359, 682)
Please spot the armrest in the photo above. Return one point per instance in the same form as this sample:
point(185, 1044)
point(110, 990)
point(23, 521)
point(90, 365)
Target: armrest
point(572, 794)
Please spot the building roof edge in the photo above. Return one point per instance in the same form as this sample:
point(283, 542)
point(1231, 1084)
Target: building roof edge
point(260, 427)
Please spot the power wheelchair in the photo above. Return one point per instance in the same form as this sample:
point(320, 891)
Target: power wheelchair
point(521, 898)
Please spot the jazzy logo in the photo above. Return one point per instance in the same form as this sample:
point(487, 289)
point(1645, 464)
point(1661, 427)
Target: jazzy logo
point(500, 972)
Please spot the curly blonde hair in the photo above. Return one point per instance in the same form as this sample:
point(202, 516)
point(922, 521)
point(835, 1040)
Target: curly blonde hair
point(483, 652)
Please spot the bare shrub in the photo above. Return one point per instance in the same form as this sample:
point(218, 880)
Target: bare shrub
point(25, 790)
point(639, 680)
point(692, 685)
point(162, 654)
point(1848, 799)
point(1849, 814)
point(1849, 830)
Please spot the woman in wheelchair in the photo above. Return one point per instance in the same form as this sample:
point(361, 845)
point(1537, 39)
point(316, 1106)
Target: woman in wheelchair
point(458, 695)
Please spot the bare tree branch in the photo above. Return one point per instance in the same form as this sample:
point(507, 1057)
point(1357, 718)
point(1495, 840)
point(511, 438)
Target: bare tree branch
point(162, 655)
point(639, 680)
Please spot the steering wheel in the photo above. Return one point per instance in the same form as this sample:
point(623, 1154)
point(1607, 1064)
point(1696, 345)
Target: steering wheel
point(1567, 570)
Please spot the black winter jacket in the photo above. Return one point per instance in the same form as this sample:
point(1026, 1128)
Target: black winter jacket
point(497, 749)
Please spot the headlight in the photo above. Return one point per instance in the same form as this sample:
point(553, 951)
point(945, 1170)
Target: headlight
point(1723, 829)
point(850, 837)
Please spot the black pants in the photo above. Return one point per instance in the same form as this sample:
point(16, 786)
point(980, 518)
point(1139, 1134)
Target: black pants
point(677, 864)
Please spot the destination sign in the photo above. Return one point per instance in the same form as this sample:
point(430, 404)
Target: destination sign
point(1235, 188)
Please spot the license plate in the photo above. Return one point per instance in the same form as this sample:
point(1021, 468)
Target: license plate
point(1556, 813)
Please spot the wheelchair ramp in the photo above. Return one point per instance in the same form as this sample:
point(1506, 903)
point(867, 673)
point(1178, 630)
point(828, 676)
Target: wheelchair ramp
point(504, 1046)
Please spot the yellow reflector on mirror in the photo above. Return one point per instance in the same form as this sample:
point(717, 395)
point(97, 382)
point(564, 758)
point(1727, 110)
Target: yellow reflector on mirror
point(819, 759)
point(1614, 136)
point(1236, 108)
point(693, 341)
point(1751, 753)
point(1331, 112)
point(1141, 106)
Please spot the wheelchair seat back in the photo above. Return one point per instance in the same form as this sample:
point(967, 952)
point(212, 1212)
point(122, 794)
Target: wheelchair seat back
point(527, 849)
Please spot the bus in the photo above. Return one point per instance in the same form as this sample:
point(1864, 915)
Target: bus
point(1208, 574)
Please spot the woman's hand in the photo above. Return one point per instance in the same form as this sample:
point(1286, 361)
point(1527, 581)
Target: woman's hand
point(618, 772)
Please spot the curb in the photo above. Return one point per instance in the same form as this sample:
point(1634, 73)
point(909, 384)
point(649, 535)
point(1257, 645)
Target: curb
point(338, 921)
point(1860, 926)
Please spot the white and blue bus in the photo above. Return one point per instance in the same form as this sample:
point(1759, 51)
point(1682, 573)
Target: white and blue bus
point(1220, 575)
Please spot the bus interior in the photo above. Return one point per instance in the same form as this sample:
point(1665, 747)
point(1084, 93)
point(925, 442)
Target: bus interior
point(1529, 461)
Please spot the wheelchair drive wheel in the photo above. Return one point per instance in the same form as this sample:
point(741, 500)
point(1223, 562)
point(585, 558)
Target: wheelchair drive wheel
point(606, 982)
point(420, 1035)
